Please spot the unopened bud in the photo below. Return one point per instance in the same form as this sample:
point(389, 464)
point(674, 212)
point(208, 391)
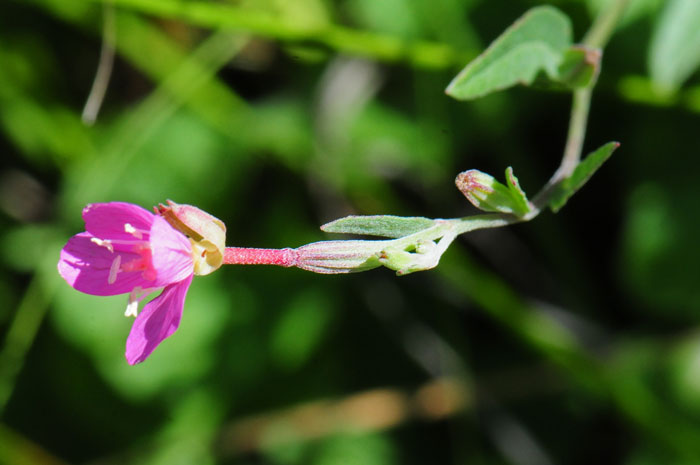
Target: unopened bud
point(487, 194)
point(333, 257)
point(206, 232)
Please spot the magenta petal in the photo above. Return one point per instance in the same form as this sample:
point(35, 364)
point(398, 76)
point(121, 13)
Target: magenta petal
point(171, 253)
point(107, 220)
point(158, 320)
point(86, 265)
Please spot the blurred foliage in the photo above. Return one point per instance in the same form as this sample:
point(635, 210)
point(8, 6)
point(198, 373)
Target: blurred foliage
point(571, 339)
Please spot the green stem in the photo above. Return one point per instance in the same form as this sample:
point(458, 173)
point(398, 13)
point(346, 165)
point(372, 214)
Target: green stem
point(597, 37)
point(421, 53)
point(604, 25)
point(22, 332)
point(577, 132)
point(572, 151)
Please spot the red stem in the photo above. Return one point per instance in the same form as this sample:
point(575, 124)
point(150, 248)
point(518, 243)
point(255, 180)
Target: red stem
point(247, 256)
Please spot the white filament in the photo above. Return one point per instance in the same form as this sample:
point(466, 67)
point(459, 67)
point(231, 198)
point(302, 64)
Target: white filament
point(132, 306)
point(102, 243)
point(133, 231)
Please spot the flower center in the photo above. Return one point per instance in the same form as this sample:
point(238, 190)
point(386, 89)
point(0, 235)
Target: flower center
point(138, 246)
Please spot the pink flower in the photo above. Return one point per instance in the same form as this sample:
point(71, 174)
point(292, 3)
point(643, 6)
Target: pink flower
point(127, 249)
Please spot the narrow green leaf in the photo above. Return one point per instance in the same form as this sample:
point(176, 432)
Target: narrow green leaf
point(674, 53)
point(533, 44)
point(378, 225)
point(581, 175)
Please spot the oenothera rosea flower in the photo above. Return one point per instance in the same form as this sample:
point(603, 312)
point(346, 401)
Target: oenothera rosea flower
point(126, 249)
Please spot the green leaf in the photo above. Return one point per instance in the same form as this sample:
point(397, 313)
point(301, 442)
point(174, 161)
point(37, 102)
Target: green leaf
point(674, 53)
point(580, 176)
point(378, 225)
point(534, 43)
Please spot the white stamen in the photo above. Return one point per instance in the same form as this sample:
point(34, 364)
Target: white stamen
point(132, 309)
point(133, 231)
point(114, 269)
point(132, 306)
point(101, 243)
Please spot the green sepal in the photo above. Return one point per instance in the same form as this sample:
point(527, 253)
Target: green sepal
point(581, 174)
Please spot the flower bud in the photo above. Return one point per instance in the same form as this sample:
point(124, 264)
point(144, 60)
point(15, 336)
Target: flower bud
point(487, 194)
point(333, 257)
point(206, 233)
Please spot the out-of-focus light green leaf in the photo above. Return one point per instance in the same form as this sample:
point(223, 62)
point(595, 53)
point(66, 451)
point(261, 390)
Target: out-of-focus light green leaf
point(657, 264)
point(387, 144)
point(641, 89)
point(450, 22)
point(535, 43)
point(684, 373)
point(396, 17)
point(305, 13)
point(282, 444)
point(26, 246)
point(674, 52)
point(300, 329)
point(356, 449)
point(191, 428)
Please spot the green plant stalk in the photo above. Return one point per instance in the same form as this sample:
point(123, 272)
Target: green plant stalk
point(23, 330)
point(604, 24)
point(433, 55)
point(196, 71)
point(421, 53)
